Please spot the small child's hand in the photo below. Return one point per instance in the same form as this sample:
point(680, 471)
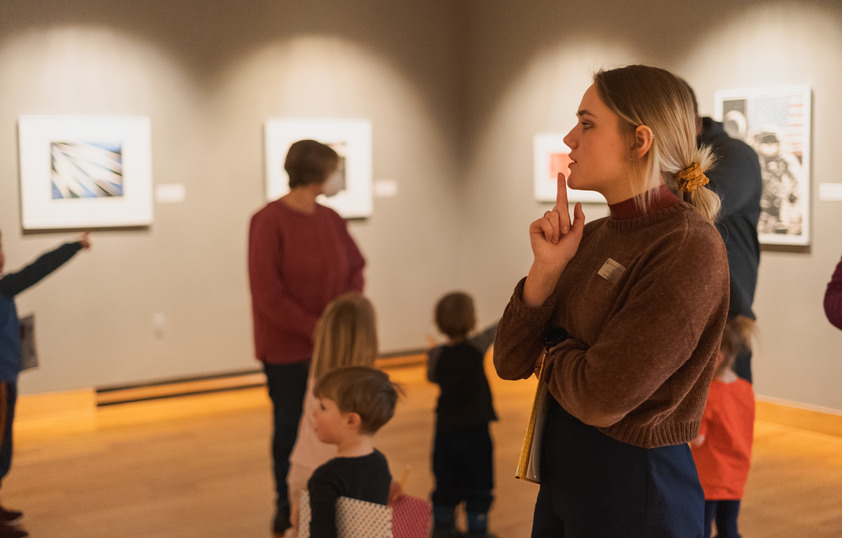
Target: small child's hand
point(537, 368)
point(85, 240)
point(293, 514)
point(395, 491)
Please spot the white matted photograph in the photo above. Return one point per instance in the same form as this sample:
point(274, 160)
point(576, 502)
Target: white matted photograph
point(79, 172)
point(551, 156)
point(776, 123)
point(351, 138)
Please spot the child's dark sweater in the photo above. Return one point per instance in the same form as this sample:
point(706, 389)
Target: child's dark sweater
point(465, 397)
point(366, 478)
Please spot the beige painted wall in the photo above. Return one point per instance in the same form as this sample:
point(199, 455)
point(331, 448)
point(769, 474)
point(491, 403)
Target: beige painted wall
point(208, 74)
point(528, 68)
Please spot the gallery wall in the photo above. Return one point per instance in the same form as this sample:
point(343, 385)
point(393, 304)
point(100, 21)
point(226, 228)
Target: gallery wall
point(527, 71)
point(172, 300)
point(455, 92)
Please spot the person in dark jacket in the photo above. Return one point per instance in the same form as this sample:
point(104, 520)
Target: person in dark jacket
point(11, 354)
point(736, 178)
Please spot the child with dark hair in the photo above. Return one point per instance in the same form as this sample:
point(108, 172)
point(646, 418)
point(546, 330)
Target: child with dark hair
point(463, 461)
point(354, 402)
point(722, 451)
point(11, 354)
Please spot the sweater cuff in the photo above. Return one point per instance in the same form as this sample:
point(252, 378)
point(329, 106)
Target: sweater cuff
point(530, 314)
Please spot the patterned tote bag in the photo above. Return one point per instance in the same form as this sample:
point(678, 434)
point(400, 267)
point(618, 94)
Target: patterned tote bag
point(411, 517)
point(354, 518)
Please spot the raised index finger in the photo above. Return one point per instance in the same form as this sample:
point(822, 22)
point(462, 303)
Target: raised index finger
point(561, 204)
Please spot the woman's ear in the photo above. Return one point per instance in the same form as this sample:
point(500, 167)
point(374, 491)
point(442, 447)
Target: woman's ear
point(643, 137)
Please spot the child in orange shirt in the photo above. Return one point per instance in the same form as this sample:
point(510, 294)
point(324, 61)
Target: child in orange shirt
point(722, 451)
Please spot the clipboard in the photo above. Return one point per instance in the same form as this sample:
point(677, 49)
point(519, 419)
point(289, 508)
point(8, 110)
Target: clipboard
point(528, 464)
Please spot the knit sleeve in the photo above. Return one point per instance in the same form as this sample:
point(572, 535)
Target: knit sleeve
point(672, 316)
point(519, 340)
point(833, 297)
point(356, 261)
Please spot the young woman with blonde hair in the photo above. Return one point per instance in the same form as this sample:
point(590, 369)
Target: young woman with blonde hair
point(626, 313)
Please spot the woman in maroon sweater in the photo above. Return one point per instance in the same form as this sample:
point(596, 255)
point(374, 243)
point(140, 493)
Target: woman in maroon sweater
point(626, 312)
point(301, 257)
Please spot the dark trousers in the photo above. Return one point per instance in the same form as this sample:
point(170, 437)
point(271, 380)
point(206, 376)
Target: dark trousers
point(725, 513)
point(8, 398)
point(595, 486)
point(463, 465)
point(287, 384)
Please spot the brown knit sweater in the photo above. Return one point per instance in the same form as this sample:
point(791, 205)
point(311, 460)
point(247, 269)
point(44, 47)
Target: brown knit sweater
point(644, 335)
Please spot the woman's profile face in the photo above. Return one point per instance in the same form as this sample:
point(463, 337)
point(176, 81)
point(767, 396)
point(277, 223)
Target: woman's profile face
point(600, 152)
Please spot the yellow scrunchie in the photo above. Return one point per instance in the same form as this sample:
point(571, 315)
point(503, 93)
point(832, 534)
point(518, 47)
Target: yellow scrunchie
point(691, 178)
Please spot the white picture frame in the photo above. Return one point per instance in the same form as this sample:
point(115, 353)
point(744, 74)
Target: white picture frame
point(776, 123)
point(83, 172)
point(551, 156)
point(351, 138)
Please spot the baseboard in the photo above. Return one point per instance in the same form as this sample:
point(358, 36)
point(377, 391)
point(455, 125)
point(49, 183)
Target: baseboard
point(179, 387)
point(82, 403)
point(173, 388)
point(785, 413)
point(401, 361)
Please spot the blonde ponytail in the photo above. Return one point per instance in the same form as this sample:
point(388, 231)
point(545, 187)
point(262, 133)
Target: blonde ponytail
point(705, 201)
point(693, 189)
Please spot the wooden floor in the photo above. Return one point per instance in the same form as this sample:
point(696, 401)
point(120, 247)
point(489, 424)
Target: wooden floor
point(199, 466)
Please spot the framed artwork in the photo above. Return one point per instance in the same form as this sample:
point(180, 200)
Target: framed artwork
point(776, 123)
point(552, 156)
point(85, 171)
point(351, 138)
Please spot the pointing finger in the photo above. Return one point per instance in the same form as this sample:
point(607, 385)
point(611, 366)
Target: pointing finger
point(561, 204)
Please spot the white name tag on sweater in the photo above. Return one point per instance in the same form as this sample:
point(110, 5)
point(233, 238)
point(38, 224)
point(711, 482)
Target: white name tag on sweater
point(611, 270)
